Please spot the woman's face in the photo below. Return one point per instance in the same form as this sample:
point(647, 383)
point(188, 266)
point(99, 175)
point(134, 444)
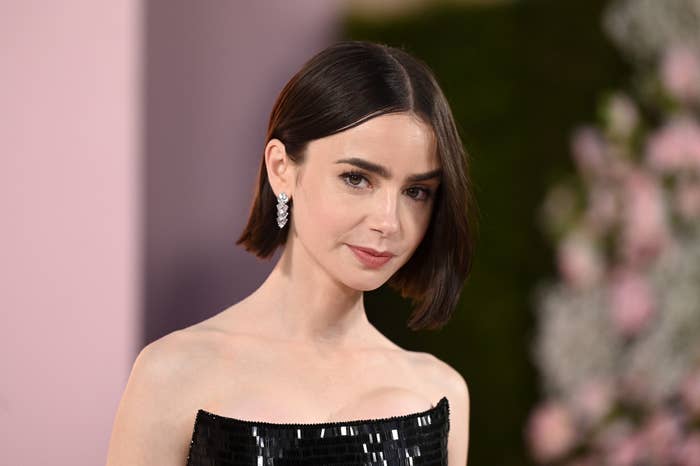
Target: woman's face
point(356, 189)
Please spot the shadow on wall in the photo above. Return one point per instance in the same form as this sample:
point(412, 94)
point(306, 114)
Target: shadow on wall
point(211, 76)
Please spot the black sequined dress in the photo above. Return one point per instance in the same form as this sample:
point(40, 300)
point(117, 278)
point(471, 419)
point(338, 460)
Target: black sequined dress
point(411, 439)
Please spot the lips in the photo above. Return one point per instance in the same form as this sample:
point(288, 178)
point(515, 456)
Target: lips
point(371, 257)
point(371, 251)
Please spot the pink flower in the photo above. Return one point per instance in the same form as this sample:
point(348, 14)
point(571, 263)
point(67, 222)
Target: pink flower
point(602, 209)
point(687, 198)
point(550, 431)
point(631, 301)
point(635, 388)
point(680, 72)
point(645, 230)
point(589, 148)
point(593, 400)
point(688, 453)
point(662, 434)
point(578, 260)
point(611, 434)
point(627, 451)
point(690, 392)
point(619, 169)
point(675, 147)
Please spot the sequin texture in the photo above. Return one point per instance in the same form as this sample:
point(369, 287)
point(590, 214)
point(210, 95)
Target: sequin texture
point(410, 439)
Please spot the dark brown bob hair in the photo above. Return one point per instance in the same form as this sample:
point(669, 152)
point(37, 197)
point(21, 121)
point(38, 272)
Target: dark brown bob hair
point(341, 87)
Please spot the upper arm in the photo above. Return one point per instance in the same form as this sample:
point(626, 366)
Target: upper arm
point(458, 396)
point(149, 426)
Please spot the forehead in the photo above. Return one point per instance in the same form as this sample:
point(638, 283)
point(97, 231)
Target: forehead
point(400, 140)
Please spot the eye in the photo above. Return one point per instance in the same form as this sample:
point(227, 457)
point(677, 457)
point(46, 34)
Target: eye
point(351, 177)
point(427, 193)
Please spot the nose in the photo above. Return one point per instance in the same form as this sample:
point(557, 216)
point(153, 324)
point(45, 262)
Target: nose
point(386, 214)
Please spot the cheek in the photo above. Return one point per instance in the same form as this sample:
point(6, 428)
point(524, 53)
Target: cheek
point(322, 213)
point(416, 226)
point(423, 221)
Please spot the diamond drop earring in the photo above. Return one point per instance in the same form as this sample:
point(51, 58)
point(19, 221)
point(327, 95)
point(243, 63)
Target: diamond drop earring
point(282, 209)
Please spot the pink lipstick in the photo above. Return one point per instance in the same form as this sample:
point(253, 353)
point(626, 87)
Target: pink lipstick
point(370, 257)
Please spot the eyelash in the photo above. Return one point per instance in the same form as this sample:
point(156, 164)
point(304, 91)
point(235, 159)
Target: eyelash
point(428, 192)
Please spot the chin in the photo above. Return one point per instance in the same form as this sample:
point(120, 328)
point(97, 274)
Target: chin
point(365, 285)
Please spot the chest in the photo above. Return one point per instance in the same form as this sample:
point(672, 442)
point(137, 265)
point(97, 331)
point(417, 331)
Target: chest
point(293, 385)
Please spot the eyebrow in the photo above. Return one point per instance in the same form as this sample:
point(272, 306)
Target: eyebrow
point(385, 172)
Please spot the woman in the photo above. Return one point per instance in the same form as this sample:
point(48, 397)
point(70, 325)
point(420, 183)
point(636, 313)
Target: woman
point(363, 181)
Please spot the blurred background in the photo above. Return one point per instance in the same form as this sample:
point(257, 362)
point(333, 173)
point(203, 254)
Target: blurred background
point(130, 140)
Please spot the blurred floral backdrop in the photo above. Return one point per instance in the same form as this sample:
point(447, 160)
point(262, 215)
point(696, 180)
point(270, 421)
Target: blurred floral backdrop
point(618, 329)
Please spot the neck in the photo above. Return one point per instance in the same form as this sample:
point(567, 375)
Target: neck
point(300, 302)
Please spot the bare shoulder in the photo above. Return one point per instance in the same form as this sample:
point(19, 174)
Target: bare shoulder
point(174, 358)
point(182, 350)
point(451, 379)
point(455, 388)
point(444, 378)
point(157, 410)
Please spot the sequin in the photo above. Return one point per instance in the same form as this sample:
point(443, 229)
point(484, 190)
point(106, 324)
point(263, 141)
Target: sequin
point(411, 439)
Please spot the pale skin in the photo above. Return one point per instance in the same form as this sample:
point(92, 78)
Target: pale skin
point(300, 347)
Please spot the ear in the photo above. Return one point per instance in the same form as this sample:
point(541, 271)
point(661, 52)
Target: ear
point(281, 171)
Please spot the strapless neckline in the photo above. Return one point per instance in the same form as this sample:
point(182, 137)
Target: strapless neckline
point(442, 403)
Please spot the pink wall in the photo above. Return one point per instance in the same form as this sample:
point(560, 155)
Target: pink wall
point(69, 289)
point(130, 135)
